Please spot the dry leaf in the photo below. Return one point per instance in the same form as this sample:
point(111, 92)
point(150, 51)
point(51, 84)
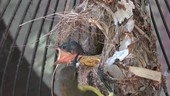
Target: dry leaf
point(126, 12)
point(125, 42)
point(130, 25)
point(117, 55)
point(114, 71)
point(146, 73)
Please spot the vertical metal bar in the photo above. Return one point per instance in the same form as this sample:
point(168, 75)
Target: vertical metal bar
point(167, 5)
point(65, 4)
point(12, 47)
point(36, 47)
point(163, 19)
point(159, 39)
point(6, 33)
point(3, 11)
point(46, 48)
point(25, 42)
point(74, 3)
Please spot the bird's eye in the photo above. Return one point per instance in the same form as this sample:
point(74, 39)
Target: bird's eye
point(63, 47)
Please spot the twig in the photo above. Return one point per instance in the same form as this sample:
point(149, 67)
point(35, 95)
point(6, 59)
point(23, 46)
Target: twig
point(53, 79)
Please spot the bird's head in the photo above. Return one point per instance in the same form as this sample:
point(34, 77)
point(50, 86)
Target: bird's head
point(68, 51)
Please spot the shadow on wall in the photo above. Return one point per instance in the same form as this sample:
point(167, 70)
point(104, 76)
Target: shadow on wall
point(23, 72)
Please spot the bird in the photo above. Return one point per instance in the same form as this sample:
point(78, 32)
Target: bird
point(69, 53)
point(68, 84)
point(68, 50)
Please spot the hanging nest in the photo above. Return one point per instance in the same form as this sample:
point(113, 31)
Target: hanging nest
point(120, 31)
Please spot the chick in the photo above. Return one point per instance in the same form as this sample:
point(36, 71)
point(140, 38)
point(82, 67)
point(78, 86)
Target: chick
point(68, 84)
point(68, 51)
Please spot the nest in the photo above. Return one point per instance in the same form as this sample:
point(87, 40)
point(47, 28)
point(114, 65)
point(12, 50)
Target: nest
point(120, 30)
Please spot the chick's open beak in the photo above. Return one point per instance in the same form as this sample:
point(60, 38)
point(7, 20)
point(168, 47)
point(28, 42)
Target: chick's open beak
point(64, 57)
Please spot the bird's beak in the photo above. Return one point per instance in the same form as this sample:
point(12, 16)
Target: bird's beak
point(64, 57)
